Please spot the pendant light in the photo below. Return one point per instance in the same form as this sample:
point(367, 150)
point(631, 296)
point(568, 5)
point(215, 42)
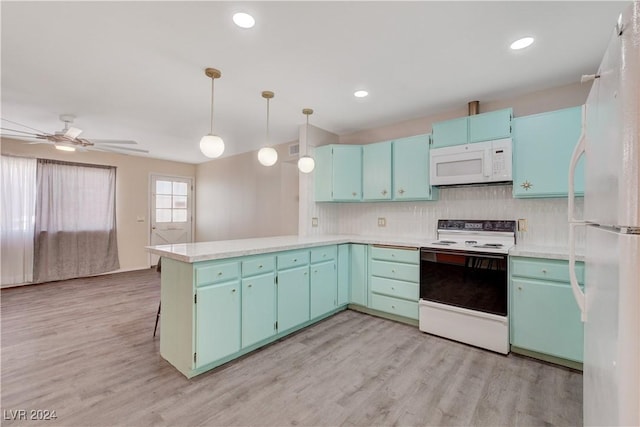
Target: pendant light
point(212, 145)
point(267, 156)
point(306, 162)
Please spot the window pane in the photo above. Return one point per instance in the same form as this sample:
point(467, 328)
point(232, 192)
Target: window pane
point(179, 215)
point(163, 187)
point(163, 215)
point(179, 202)
point(180, 188)
point(163, 201)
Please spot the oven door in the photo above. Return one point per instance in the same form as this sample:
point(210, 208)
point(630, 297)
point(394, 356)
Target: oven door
point(471, 280)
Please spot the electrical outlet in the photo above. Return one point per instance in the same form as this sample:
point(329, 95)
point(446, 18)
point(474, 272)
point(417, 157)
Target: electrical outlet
point(522, 224)
point(314, 221)
point(382, 222)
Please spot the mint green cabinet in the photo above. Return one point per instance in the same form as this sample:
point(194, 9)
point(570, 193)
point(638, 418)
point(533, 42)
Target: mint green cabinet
point(411, 169)
point(476, 128)
point(344, 273)
point(293, 297)
point(451, 132)
point(542, 148)
point(376, 171)
point(217, 322)
point(544, 316)
point(338, 173)
point(394, 276)
point(258, 308)
point(358, 274)
point(324, 288)
point(490, 126)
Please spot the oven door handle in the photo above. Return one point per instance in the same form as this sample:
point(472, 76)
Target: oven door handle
point(471, 254)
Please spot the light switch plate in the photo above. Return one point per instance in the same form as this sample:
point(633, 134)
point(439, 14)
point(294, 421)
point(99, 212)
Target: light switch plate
point(314, 221)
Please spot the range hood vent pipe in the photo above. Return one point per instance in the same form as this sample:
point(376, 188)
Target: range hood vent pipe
point(474, 108)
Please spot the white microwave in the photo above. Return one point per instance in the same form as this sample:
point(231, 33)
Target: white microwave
point(476, 163)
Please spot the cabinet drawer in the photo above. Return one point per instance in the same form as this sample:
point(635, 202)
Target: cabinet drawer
point(545, 269)
point(324, 253)
point(293, 259)
point(217, 273)
point(395, 288)
point(396, 270)
point(409, 255)
point(258, 265)
point(395, 306)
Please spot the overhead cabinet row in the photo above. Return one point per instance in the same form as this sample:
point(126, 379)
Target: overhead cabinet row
point(399, 170)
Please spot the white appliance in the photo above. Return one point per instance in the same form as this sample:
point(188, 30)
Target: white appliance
point(463, 283)
point(476, 163)
point(610, 303)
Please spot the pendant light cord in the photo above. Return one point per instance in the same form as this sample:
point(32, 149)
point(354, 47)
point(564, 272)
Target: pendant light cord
point(268, 138)
point(212, 83)
point(306, 146)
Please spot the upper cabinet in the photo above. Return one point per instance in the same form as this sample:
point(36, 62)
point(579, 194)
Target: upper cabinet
point(542, 148)
point(476, 128)
point(338, 173)
point(376, 171)
point(411, 169)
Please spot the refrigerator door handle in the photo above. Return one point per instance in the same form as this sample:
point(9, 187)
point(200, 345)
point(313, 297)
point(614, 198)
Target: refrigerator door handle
point(578, 294)
point(578, 151)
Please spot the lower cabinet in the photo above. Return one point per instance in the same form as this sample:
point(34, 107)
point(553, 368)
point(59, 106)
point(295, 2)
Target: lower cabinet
point(394, 277)
point(217, 322)
point(293, 297)
point(258, 308)
point(324, 288)
point(344, 273)
point(358, 275)
point(544, 315)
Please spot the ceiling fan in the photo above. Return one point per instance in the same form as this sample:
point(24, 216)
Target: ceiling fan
point(68, 139)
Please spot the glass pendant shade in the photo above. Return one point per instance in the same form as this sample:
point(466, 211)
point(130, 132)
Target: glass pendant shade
point(212, 146)
point(306, 164)
point(267, 156)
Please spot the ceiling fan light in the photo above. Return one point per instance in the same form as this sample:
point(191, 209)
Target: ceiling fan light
point(212, 146)
point(65, 147)
point(306, 164)
point(267, 156)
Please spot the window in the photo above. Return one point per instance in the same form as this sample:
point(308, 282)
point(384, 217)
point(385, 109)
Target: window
point(171, 201)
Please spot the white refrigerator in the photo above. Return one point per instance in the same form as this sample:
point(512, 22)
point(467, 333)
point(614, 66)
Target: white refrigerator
point(610, 302)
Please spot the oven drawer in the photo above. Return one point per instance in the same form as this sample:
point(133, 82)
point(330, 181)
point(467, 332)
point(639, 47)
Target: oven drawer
point(409, 255)
point(545, 269)
point(395, 306)
point(395, 288)
point(395, 270)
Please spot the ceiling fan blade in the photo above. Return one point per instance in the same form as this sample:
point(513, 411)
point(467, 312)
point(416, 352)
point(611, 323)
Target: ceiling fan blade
point(113, 141)
point(72, 133)
point(3, 130)
point(24, 126)
point(19, 136)
point(117, 149)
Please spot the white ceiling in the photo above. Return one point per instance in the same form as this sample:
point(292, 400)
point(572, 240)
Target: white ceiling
point(135, 70)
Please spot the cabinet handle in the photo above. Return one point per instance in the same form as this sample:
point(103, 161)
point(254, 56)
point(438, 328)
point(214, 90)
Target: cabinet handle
point(519, 288)
point(353, 194)
point(295, 260)
point(260, 266)
point(324, 255)
point(305, 273)
point(393, 270)
point(393, 288)
point(401, 191)
point(384, 192)
point(315, 271)
point(526, 185)
point(393, 306)
point(250, 285)
point(233, 290)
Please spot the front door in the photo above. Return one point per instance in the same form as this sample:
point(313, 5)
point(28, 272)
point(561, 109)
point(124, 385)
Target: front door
point(171, 207)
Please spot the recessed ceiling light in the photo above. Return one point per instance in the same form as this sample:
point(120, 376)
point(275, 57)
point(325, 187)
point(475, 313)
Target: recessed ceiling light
point(244, 20)
point(522, 43)
point(360, 93)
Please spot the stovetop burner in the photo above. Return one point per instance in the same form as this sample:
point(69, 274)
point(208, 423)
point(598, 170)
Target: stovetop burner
point(475, 235)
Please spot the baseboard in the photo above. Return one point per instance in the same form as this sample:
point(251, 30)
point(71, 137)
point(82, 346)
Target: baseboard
point(121, 270)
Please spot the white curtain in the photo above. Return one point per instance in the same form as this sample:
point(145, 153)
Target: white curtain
point(75, 220)
point(17, 222)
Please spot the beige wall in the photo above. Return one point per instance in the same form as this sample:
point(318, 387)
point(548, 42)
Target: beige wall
point(132, 191)
point(237, 197)
point(523, 105)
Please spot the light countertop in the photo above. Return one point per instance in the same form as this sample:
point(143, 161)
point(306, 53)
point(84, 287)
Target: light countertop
point(203, 251)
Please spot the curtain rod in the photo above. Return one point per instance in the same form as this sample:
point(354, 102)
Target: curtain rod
point(64, 162)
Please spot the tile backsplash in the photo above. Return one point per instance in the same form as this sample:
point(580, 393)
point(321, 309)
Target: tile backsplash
point(546, 218)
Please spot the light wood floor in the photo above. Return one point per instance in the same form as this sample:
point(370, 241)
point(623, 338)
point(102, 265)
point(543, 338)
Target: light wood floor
point(84, 348)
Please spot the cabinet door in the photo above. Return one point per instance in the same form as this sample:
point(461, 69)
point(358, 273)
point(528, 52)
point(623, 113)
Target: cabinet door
point(546, 319)
point(258, 308)
point(488, 126)
point(324, 288)
point(293, 297)
point(217, 322)
point(347, 172)
point(451, 132)
point(323, 173)
point(411, 169)
point(359, 274)
point(344, 273)
point(376, 171)
point(542, 148)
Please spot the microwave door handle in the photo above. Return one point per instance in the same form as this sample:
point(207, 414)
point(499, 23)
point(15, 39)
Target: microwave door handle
point(486, 163)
